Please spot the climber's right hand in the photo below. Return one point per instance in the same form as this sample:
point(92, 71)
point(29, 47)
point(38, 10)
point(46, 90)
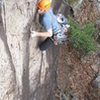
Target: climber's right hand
point(33, 34)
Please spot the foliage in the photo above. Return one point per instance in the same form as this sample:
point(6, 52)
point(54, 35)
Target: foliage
point(81, 36)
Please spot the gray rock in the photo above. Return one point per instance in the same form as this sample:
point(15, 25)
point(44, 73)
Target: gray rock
point(74, 98)
point(24, 73)
point(98, 4)
point(76, 6)
point(96, 82)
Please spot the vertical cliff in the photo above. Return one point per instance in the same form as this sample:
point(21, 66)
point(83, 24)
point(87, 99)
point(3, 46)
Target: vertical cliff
point(25, 73)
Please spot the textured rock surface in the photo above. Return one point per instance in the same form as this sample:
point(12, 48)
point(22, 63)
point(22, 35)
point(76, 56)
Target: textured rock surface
point(96, 82)
point(25, 74)
point(98, 4)
point(24, 71)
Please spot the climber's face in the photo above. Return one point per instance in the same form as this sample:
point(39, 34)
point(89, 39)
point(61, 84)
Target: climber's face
point(41, 11)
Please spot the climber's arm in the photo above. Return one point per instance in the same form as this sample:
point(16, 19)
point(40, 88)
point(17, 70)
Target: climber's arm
point(42, 34)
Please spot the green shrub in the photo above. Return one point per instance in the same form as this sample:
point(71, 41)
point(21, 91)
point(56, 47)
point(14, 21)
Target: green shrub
point(81, 36)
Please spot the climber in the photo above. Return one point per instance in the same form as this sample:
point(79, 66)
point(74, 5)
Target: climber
point(50, 23)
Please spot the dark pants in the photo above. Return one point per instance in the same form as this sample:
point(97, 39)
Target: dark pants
point(46, 44)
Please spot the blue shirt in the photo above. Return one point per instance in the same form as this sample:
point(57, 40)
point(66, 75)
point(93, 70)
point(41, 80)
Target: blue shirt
point(49, 21)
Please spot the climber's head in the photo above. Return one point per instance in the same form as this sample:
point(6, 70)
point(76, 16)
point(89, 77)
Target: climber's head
point(44, 5)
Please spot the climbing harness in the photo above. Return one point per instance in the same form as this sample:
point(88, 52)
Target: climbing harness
point(60, 36)
point(62, 20)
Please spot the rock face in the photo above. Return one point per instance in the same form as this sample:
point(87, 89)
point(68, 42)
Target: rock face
point(98, 4)
point(25, 73)
point(96, 82)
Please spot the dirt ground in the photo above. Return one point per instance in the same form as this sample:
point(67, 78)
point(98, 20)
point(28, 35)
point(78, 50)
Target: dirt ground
point(75, 73)
point(75, 77)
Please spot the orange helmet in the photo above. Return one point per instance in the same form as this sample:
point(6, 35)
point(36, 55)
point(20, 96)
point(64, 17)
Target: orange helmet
point(44, 4)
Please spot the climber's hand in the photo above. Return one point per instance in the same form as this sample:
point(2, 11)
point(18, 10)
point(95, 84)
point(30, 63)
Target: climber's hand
point(55, 42)
point(33, 34)
point(65, 30)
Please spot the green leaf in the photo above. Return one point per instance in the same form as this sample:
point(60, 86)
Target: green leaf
point(82, 36)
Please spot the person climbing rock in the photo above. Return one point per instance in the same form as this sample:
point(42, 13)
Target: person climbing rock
point(52, 24)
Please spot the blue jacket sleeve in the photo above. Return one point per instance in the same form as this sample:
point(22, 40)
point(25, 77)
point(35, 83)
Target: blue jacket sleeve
point(47, 24)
